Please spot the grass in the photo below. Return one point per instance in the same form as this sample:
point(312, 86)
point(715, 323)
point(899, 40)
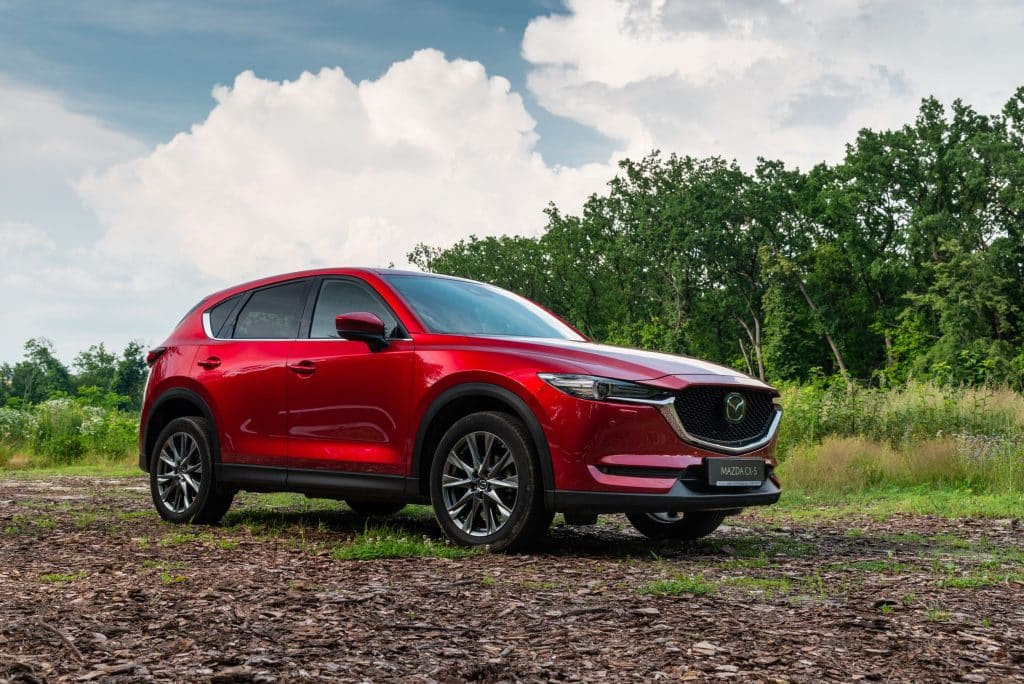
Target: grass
point(692, 585)
point(884, 501)
point(979, 580)
point(386, 542)
point(62, 578)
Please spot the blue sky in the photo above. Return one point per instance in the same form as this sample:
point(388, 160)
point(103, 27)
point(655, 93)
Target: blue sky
point(154, 151)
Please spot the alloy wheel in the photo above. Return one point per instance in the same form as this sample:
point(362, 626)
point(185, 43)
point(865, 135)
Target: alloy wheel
point(480, 483)
point(179, 472)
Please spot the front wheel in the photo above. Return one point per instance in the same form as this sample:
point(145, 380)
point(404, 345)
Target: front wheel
point(485, 483)
point(672, 525)
point(181, 477)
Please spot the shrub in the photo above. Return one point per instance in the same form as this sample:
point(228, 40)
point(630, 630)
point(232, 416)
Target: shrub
point(65, 431)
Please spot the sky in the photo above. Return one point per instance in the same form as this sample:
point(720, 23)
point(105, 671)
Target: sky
point(152, 152)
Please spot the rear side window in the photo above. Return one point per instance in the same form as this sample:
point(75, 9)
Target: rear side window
point(272, 313)
point(220, 313)
point(347, 296)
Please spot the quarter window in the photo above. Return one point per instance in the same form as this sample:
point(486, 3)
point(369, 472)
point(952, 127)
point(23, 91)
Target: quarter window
point(219, 315)
point(272, 313)
point(346, 296)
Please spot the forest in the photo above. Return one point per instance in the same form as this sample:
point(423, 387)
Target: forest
point(904, 261)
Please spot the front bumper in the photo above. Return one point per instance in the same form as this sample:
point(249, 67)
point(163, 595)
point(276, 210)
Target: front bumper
point(679, 498)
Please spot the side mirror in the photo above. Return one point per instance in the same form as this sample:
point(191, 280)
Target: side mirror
point(362, 325)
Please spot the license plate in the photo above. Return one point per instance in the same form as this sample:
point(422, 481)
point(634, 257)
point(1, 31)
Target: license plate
point(735, 472)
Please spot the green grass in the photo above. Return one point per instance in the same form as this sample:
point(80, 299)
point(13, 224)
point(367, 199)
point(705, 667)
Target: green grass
point(692, 585)
point(885, 501)
point(979, 580)
point(385, 542)
point(117, 469)
point(62, 578)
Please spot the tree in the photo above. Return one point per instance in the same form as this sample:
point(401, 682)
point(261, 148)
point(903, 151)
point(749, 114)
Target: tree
point(40, 375)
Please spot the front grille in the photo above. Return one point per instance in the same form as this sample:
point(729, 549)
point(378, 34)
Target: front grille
point(701, 410)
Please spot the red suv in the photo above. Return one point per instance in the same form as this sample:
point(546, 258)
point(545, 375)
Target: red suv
point(384, 387)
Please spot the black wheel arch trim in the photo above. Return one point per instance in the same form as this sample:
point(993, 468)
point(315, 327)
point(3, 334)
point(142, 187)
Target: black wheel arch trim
point(522, 411)
point(191, 397)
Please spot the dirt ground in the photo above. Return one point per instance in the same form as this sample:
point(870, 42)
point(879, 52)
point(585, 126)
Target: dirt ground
point(93, 587)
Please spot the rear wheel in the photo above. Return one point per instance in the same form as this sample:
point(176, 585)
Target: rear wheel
point(181, 478)
point(485, 484)
point(371, 508)
point(672, 525)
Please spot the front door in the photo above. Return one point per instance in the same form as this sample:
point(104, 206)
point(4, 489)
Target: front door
point(348, 406)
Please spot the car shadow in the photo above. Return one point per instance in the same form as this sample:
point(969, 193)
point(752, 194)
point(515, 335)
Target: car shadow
point(612, 538)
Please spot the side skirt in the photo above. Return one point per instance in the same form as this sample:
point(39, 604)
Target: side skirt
point(328, 484)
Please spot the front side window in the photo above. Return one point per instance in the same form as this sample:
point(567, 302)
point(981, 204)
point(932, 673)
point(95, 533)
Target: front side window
point(346, 296)
point(462, 307)
point(272, 313)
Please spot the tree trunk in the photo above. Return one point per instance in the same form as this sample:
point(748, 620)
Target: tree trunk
point(755, 342)
point(828, 338)
point(757, 349)
point(746, 356)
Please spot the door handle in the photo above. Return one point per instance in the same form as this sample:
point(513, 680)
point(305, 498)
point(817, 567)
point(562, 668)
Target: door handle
point(210, 363)
point(303, 367)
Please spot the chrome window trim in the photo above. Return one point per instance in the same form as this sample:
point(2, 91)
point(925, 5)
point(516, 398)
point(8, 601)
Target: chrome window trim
point(209, 335)
point(668, 410)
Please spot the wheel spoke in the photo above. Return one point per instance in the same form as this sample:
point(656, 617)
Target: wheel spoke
point(191, 483)
point(509, 483)
point(492, 524)
point(452, 481)
point(488, 449)
point(461, 503)
point(499, 504)
point(473, 452)
point(453, 459)
point(467, 524)
point(502, 463)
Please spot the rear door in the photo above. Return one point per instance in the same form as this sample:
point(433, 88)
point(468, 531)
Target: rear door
point(243, 368)
point(348, 406)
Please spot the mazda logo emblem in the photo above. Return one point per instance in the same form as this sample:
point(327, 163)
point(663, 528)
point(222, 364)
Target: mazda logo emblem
point(735, 407)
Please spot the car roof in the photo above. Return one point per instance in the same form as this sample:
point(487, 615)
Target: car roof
point(330, 270)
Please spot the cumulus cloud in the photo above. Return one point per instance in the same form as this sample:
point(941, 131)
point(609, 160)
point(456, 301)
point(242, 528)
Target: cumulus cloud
point(45, 146)
point(792, 79)
point(322, 170)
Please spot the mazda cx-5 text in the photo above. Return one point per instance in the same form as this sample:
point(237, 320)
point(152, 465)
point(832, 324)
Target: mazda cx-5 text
point(384, 388)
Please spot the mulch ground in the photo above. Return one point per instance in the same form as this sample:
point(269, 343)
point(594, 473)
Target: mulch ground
point(93, 587)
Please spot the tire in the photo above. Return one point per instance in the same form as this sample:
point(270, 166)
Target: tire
point(181, 476)
point(689, 526)
point(491, 496)
point(368, 509)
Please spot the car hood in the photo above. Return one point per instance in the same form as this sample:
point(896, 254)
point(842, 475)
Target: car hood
point(635, 364)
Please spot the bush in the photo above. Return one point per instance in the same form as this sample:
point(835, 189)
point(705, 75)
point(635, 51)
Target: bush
point(65, 431)
point(897, 416)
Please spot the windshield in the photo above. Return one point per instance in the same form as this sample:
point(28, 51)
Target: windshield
point(461, 307)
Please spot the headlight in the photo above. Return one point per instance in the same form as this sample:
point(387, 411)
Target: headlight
point(605, 389)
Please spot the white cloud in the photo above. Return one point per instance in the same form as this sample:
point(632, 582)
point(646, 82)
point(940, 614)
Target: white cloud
point(45, 146)
point(791, 79)
point(321, 170)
